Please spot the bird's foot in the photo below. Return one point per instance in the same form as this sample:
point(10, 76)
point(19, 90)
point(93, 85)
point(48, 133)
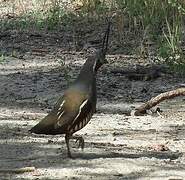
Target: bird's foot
point(69, 155)
point(81, 141)
point(67, 137)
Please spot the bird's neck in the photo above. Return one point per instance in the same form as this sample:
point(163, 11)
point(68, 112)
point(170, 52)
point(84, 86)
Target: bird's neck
point(87, 74)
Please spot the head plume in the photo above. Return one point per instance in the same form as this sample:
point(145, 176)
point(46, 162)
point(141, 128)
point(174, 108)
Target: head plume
point(100, 54)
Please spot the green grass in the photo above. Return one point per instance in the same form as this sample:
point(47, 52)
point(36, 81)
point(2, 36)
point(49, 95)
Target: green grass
point(158, 21)
point(144, 20)
point(2, 58)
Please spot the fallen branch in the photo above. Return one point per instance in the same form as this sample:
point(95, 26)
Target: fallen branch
point(156, 100)
point(18, 170)
point(142, 72)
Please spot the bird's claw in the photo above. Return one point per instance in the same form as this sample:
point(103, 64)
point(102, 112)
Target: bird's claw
point(81, 142)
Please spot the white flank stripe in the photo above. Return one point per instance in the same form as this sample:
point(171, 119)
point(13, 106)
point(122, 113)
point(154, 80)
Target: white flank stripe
point(62, 103)
point(60, 115)
point(58, 123)
point(83, 122)
point(88, 117)
point(81, 125)
point(82, 105)
point(86, 120)
point(76, 128)
point(94, 66)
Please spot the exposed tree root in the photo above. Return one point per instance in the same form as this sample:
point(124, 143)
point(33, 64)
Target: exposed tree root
point(156, 100)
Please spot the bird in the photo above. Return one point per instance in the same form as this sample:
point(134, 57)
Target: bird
point(76, 107)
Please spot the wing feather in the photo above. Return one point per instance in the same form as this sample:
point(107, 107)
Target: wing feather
point(65, 114)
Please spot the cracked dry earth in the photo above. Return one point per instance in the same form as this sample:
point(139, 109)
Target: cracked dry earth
point(117, 146)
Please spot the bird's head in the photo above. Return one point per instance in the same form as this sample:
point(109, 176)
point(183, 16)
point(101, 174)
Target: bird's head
point(98, 59)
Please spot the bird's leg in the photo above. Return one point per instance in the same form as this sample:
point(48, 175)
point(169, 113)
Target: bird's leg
point(78, 138)
point(67, 137)
point(81, 141)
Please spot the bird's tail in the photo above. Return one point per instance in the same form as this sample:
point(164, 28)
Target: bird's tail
point(46, 126)
point(42, 127)
point(35, 129)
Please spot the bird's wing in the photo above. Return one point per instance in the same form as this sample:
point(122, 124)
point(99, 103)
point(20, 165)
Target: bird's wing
point(70, 108)
point(66, 111)
point(85, 113)
point(46, 125)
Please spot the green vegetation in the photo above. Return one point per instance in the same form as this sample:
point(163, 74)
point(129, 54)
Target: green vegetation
point(65, 68)
point(156, 21)
point(2, 58)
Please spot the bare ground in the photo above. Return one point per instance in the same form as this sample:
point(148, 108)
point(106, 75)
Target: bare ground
point(117, 146)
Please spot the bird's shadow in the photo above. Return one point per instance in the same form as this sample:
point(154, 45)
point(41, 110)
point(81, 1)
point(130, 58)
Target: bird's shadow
point(132, 155)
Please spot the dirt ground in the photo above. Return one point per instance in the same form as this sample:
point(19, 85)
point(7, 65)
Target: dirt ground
point(117, 146)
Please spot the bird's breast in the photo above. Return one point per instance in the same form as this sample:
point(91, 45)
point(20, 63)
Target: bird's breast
point(74, 99)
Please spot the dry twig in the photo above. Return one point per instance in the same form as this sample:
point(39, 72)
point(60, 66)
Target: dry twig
point(18, 170)
point(156, 100)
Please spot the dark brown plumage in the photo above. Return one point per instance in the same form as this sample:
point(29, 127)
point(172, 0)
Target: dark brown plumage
point(76, 107)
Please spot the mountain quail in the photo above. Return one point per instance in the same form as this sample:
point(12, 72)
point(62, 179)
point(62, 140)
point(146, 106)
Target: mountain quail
point(76, 107)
